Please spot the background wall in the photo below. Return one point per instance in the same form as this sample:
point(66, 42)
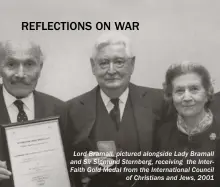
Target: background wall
point(170, 31)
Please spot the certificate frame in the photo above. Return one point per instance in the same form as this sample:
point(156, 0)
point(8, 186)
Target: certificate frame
point(12, 136)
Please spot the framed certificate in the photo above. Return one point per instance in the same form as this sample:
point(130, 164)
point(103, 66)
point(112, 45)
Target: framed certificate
point(35, 153)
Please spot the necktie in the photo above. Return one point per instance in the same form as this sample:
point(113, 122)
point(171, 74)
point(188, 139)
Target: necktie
point(115, 112)
point(22, 116)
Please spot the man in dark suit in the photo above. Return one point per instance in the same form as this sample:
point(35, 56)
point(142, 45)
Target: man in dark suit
point(20, 68)
point(214, 106)
point(114, 111)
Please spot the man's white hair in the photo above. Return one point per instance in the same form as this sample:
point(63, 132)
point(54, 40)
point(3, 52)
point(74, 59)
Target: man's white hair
point(6, 46)
point(112, 38)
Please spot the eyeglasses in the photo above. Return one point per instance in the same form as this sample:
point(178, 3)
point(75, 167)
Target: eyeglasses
point(117, 62)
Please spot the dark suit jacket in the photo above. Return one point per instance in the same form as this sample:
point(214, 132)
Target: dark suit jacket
point(45, 106)
point(215, 108)
point(215, 105)
point(80, 117)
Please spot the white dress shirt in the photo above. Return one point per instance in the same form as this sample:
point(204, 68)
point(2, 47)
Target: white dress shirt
point(122, 102)
point(13, 110)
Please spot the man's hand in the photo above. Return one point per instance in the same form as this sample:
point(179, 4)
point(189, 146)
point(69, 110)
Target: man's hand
point(4, 173)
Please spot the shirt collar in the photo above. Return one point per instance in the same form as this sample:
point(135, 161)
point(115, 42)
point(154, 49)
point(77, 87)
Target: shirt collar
point(122, 99)
point(204, 124)
point(9, 100)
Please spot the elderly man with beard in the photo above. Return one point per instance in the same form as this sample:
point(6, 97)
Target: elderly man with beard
point(20, 67)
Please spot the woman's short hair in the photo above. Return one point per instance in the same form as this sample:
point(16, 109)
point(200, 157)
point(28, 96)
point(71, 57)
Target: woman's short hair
point(175, 70)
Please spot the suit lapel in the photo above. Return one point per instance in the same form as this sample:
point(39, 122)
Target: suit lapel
point(87, 108)
point(143, 117)
point(4, 117)
point(39, 109)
